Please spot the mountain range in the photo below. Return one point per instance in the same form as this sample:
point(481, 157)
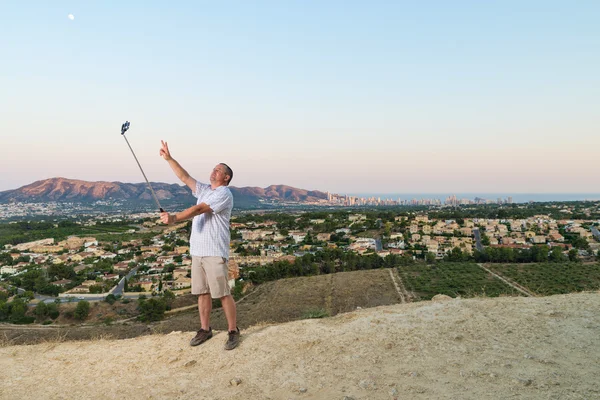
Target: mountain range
point(72, 190)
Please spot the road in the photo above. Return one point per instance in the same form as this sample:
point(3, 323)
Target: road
point(121, 285)
point(100, 297)
point(378, 246)
point(118, 291)
point(477, 239)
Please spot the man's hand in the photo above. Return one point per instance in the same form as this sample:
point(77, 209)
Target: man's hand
point(164, 151)
point(167, 218)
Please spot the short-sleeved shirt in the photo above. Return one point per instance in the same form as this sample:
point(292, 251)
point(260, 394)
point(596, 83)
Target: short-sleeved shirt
point(210, 231)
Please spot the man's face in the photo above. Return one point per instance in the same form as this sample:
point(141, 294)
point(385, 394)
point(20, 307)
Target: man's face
point(218, 177)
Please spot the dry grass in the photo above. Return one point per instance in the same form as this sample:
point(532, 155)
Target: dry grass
point(295, 298)
point(269, 303)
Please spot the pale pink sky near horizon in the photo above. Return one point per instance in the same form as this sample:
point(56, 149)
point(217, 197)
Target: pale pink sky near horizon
point(338, 96)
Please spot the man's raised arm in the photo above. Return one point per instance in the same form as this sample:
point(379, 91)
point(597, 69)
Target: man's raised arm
point(181, 173)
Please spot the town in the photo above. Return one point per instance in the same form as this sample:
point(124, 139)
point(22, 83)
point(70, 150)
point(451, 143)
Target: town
point(155, 257)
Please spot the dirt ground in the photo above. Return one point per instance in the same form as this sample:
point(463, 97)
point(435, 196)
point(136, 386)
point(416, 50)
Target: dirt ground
point(482, 348)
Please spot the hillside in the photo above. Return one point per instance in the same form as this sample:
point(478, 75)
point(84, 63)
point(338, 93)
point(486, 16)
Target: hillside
point(482, 348)
point(63, 189)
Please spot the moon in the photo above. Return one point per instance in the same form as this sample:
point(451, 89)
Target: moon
point(71, 17)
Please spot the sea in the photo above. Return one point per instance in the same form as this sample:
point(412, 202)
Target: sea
point(516, 197)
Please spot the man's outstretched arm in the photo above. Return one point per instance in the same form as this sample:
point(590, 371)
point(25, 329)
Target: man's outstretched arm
point(185, 214)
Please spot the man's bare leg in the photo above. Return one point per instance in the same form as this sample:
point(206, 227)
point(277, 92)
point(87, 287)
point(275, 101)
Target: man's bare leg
point(230, 312)
point(204, 308)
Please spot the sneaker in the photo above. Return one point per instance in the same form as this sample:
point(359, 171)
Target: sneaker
point(233, 339)
point(201, 337)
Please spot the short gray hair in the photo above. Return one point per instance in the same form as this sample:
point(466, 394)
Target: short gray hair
point(228, 171)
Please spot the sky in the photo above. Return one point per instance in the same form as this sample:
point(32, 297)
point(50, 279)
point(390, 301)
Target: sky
point(340, 96)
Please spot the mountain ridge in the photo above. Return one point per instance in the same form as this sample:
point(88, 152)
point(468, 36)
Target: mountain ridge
point(65, 189)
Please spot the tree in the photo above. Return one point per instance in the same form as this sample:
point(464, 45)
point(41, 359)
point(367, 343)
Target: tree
point(96, 289)
point(6, 259)
point(4, 310)
point(456, 254)
point(573, 255)
point(53, 310)
point(152, 310)
point(110, 299)
point(430, 258)
point(168, 297)
point(556, 255)
point(41, 310)
point(18, 308)
point(82, 310)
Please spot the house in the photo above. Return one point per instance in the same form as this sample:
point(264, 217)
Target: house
point(146, 285)
point(77, 257)
point(80, 289)
point(121, 266)
point(91, 248)
point(9, 269)
point(538, 239)
point(555, 236)
point(57, 261)
point(47, 249)
point(61, 283)
point(324, 237)
point(466, 231)
point(422, 218)
point(182, 249)
point(180, 272)
point(507, 240)
point(298, 236)
point(357, 217)
point(165, 259)
point(152, 249)
point(250, 234)
point(182, 282)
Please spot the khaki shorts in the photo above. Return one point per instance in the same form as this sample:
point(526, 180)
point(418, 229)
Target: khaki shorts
point(209, 275)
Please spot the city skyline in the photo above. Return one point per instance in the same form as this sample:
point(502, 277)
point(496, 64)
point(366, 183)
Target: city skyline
point(338, 96)
point(76, 190)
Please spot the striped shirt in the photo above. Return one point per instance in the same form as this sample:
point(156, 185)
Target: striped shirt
point(210, 231)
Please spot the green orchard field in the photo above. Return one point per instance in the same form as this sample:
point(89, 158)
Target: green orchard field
point(452, 279)
point(552, 278)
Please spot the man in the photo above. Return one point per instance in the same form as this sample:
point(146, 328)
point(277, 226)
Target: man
point(209, 244)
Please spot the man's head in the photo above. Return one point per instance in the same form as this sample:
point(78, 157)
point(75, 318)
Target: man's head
point(221, 175)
